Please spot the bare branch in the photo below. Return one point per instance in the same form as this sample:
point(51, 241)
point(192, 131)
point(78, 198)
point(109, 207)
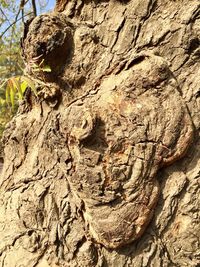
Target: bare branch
point(34, 8)
point(14, 24)
point(5, 15)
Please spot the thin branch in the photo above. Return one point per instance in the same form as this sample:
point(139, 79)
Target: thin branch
point(34, 8)
point(23, 15)
point(14, 24)
point(5, 15)
point(21, 7)
point(6, 19)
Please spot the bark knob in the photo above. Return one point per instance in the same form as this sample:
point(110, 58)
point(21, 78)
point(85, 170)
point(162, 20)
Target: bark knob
point(48, 40)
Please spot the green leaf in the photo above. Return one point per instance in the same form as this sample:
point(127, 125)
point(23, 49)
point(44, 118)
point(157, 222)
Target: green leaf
point(46, 68)
point(12, 96)
point(20, 91)
point(2, 101)
point(3, 83)
point(15, 89)
point(12, 90)
point(7, 93)
point(24, 85)
point(16, 85)
point(30, 83)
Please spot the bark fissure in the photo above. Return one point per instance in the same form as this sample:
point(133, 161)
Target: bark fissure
point(94, 173)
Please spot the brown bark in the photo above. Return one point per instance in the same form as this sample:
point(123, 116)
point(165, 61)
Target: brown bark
point(102, 167)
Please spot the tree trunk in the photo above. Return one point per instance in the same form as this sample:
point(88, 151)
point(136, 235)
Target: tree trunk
point(101, 168)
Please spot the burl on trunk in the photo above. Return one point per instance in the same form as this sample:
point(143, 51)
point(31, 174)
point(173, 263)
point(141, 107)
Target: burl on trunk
point(82, 158)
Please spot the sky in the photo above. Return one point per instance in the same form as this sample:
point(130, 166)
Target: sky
point(50, 5)
point(11, 15)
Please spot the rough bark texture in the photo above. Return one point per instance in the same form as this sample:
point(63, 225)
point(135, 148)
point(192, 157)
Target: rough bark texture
point(102, 167)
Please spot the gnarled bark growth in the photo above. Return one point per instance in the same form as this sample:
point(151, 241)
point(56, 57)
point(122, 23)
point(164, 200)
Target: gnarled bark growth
point(92, 173)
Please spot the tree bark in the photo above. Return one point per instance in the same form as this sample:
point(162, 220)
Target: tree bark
point(101, 168)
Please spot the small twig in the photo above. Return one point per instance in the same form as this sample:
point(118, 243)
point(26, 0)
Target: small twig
point(34, 8)
point(13, 24)
point(23, 15)
point(5, 15)
point(21, 7)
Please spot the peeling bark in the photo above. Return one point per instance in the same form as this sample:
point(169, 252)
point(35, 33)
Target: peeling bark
point(102, 167)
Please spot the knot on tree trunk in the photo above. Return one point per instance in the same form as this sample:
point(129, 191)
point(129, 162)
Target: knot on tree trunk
point(48, 42)
point(118, 140)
